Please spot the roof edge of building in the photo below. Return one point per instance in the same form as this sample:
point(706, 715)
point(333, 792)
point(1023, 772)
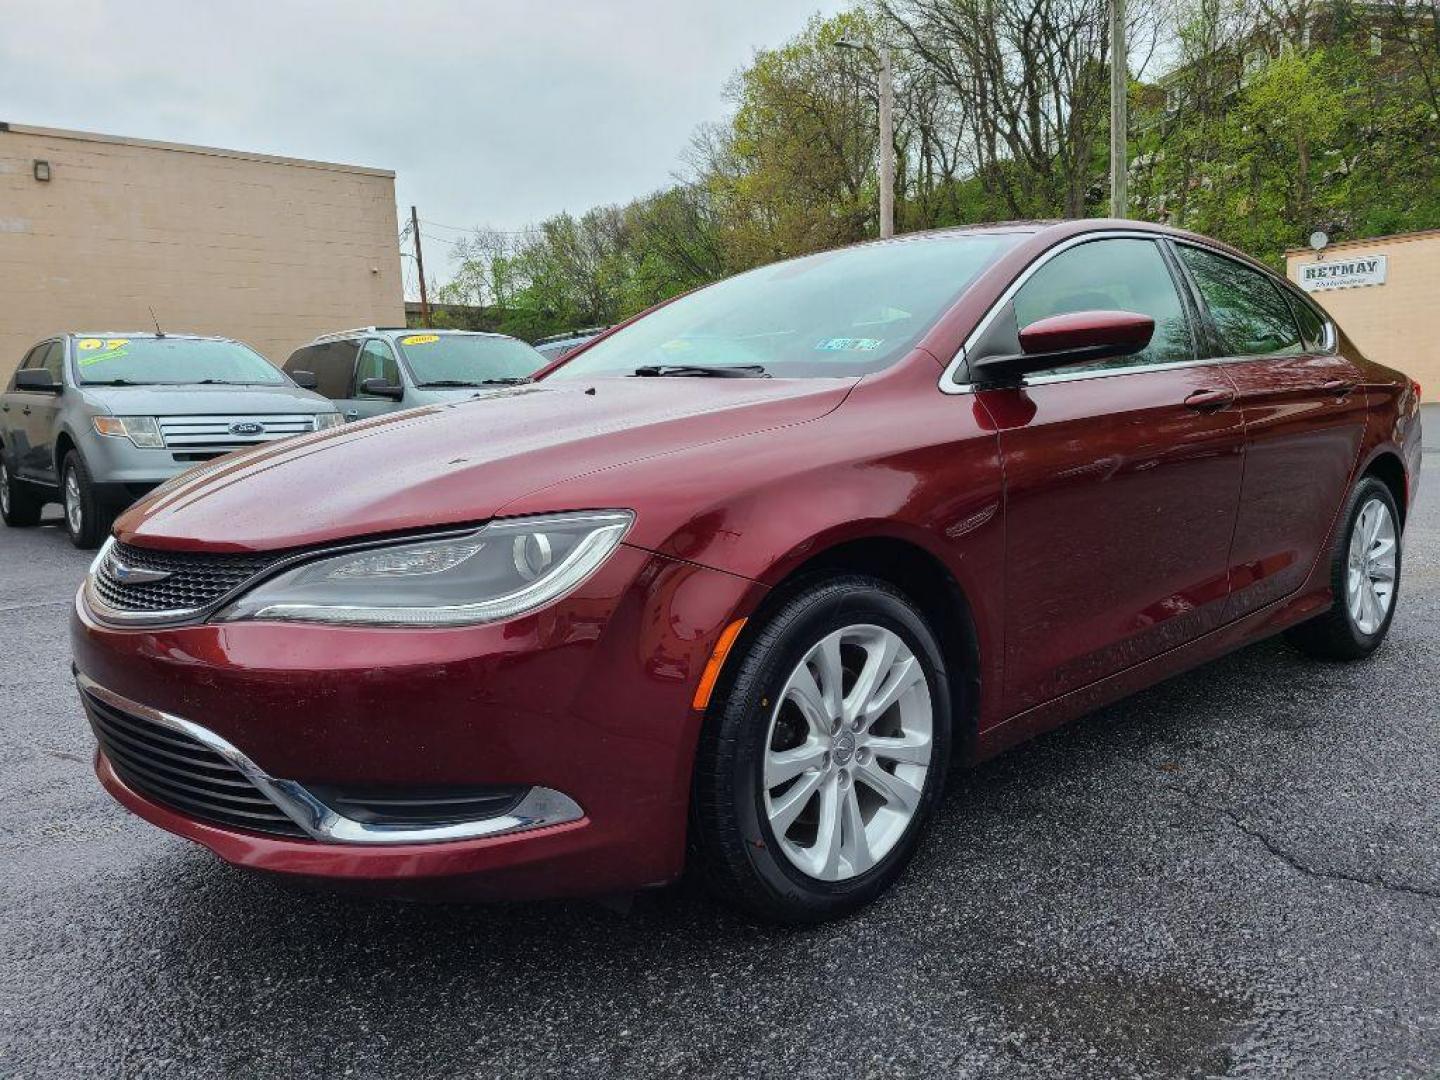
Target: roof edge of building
point(190, 148)
point(1369, 241)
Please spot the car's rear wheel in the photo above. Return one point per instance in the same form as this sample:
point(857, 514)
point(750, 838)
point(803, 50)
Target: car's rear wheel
point(824, 755)
point(19, 505)
point(86, 522)
point(1364, 576)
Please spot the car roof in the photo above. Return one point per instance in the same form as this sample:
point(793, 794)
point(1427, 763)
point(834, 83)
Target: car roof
point(144, 334)
point(395, 331)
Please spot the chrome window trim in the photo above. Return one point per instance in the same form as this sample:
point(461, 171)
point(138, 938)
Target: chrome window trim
point(540, 807)
point(949, 385)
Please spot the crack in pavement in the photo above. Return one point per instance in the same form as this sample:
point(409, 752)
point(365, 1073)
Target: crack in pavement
point(1376, 882)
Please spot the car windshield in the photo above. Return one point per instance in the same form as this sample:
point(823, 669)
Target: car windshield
point(468, 359)
point(846, 312)
point(171, 361)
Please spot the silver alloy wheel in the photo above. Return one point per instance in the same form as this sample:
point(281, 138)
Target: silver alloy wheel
point(1370, 572)
point(4, 488)
point(74, 512)
point(847, 752)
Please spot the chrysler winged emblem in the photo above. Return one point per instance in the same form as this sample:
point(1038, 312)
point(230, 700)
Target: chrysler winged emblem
point(134, 575)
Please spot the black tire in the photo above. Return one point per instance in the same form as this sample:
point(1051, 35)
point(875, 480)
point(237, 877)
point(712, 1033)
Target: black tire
point(94, 524)
point(1336, 635)
point(20, 504)
point(733, 847)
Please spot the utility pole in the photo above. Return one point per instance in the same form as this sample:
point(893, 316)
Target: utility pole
point(887, 131)
point(420, 266)
point(1119, 86)
point(887, 145)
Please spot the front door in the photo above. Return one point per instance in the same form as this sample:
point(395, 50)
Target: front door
point(376, 361)
point(38, 415)
point(1122, 481)
point(1304, 416)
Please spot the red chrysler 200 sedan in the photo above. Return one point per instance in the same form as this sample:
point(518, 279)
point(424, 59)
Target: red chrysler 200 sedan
point(738, 581)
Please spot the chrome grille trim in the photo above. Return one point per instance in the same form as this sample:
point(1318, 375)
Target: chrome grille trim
point(213, 432)
point(286, 799)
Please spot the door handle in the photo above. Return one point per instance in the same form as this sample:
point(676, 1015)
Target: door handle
point(1338, 387)
point(1210, 400)
point(26, 410)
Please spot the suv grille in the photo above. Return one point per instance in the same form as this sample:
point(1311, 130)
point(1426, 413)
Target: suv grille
point(196, 579)
point(169, 767)
point(219, 433)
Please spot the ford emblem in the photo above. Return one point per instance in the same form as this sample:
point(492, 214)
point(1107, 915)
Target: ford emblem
point(247, 427)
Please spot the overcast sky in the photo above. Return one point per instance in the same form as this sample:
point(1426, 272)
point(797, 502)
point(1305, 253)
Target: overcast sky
point(494, 112)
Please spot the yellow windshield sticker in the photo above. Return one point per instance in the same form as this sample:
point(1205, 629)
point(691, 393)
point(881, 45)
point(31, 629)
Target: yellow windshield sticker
point(420, 339)
point(116, 342)
point(86, 344)
point(115, 348)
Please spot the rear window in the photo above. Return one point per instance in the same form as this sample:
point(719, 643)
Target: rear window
point(170, 361)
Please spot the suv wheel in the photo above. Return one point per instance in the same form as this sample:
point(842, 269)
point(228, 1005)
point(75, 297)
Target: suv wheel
point(1364, 576)
point(824, 758)
point(85, 521)
point(19, 505)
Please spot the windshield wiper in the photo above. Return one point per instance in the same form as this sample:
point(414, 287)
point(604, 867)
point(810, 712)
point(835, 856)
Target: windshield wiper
point(703, 371)
point(113, 382)
point(447, 383)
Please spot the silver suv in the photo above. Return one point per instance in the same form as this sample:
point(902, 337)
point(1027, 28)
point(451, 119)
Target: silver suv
point(94, 421)
point(378, 369)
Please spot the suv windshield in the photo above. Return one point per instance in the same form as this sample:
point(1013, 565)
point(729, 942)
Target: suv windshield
point(468, 359)
point(846, 312)
point(172, 361)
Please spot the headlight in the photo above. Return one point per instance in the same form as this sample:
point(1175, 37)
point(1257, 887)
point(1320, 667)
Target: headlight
point(326, 420)
point(497, 572)
point(143, 431)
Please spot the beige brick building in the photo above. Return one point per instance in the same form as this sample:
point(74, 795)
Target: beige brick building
point(1383, 292)
point(269, 250)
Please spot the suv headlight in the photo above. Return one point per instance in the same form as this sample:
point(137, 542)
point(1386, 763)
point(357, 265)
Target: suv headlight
point(326, 420)
point(505, 569)
point(143, 431)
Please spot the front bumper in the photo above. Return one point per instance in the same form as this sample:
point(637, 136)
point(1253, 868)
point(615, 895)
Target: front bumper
point(590, 698)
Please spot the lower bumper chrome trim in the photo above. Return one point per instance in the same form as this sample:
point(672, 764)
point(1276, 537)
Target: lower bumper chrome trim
point(541, 806)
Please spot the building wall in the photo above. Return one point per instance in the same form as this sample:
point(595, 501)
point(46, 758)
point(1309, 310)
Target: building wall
point(1397, 323)
point(268, 250)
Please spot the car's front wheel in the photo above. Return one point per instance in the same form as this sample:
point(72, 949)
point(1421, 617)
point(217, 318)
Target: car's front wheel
point(19, 506)
point(86, 522)
point(1364, 576)
point(824, 755)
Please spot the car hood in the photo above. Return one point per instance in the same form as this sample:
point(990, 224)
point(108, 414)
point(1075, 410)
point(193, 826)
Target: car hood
point(451, 464)
point(194, 400)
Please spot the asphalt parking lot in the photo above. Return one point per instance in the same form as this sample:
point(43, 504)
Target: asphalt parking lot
point(1236, 873)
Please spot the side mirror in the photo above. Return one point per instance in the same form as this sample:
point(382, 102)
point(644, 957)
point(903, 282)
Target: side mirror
point(1080, 337)
point(36, 380)
point(306, 380)
point(381, 388)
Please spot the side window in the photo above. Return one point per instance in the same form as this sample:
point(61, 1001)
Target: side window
point(1111, 275)
point(54, 361)
point(36, 357)
point(332, 362)
point(1312, 326)
point(1251, 315)
point(377, 361)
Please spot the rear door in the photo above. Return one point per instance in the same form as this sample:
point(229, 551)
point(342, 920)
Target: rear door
point(1304, 422)
point(333, 365)
point(1122, 479)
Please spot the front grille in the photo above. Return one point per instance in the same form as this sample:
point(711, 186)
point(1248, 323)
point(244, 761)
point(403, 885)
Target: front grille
point(197, 579)
point(169, 767)
point(214, 432)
